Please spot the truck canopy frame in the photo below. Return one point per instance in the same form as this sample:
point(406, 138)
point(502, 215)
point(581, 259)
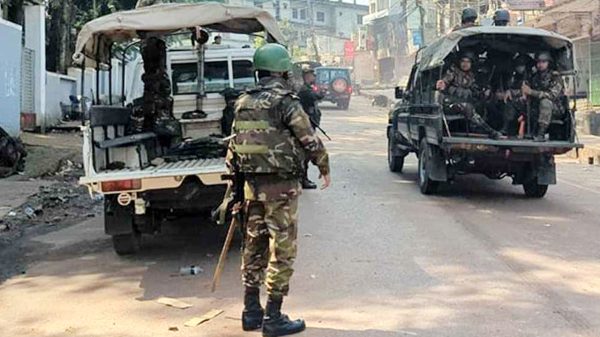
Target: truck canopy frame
point(509, 39)
point(96, 38)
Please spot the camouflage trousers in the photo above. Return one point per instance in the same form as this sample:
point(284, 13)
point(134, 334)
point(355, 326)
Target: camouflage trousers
point(270, 244)
point(470, 113)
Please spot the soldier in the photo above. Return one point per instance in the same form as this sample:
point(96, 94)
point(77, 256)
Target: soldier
point(308, 100)
point(546, 91)
point(462, 92)
point(515, 101)
point(501, 17)
point(273, 136)
point(468, 18)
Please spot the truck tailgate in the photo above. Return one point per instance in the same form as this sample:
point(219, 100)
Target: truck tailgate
point(515, 145)
point(165, 175)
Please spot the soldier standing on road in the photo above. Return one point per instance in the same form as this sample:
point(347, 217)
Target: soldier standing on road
point(546, 90)
point(462, 92)
point(309, 100)
point(273, 137)
point(467, 19)
point(516, 103)
point(501, 17)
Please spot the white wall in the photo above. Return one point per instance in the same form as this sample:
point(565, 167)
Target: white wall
point(58, 89)
point(10, 77)
point(35, 39)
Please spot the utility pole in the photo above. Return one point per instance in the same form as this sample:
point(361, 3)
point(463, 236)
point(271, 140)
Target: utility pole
point(419, 4)
point(313, 36)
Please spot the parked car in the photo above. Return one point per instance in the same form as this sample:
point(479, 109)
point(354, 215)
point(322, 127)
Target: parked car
point(335, 84)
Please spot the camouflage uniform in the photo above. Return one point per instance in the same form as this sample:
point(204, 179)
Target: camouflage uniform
point(546, 89)
point(462, 92)
point(517, 105)
point(273, 136)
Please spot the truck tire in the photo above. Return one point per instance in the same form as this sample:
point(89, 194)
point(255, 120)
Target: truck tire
point(126, 244)
point(534, 190)
point(426, 185)
point(344, 105)
point(395, 163)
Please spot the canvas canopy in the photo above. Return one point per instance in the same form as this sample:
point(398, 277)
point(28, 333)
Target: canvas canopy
point(97, 36)
point(508, 38)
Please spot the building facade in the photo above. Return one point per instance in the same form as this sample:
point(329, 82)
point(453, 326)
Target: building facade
point(322, 27)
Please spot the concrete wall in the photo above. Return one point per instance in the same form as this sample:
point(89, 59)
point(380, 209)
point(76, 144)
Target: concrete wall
point(58, 89)
point(10, 77)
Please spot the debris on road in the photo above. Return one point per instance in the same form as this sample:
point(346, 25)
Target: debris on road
point(12, 154)
point(204, 318)
point(308, 235)
point(173, 328)
point(61, 202)
point(173, 302)
point(191, 270)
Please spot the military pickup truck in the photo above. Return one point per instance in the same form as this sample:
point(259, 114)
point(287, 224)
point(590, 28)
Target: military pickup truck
point(162, 154)
point(447, 145)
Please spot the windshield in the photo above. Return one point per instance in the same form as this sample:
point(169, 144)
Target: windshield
point(328, 75)
point(216, 77)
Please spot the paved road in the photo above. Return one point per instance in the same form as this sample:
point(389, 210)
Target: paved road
point(376, 259)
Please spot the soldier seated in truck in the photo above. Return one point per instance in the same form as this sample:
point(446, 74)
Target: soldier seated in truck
point(462, 93)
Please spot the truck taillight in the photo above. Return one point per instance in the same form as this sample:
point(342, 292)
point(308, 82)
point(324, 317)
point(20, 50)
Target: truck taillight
point(121, 185)
point(349, 90)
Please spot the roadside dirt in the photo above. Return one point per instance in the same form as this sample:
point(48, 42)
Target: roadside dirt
point(54, 160)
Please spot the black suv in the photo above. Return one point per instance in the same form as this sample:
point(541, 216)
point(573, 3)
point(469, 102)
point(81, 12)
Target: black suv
point(335, 84)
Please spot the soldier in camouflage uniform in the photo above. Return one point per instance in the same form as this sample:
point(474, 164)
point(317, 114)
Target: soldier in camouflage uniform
point(309, 100)
point(516, 103)
point(467, 19)
point(546, 90)
point(272, 138)
point(462, 93)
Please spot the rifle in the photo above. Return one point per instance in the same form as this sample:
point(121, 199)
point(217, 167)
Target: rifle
point(237, 216)
point(316, 126)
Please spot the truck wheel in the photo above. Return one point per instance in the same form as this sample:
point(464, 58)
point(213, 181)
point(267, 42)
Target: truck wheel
point(426, 185)
point(126, 244)
point(534, 190)
point(395, 163)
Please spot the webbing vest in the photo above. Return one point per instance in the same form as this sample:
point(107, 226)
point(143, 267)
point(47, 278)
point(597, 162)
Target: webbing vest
point(263, 142)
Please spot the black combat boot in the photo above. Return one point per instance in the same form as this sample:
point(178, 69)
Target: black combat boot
point(252, 316)
point(541, 133)
point(308, 185)
point(277, 324)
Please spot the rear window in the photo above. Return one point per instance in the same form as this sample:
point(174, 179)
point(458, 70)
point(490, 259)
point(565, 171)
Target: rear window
point(328, 75)
point(216, 77)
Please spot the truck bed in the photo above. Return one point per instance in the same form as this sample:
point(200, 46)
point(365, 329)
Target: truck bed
point(516, 145)
point(165, 175)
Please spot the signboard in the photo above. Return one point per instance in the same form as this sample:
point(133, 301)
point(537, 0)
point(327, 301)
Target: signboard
point(526, 5)
point(349, 49)
point(417, 38)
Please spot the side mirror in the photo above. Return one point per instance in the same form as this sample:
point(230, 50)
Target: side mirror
point(399, 93)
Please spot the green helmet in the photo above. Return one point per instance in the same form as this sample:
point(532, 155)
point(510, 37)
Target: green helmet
point(272, 57)
point(543, 56)
point(469, 14)
point(501, 17)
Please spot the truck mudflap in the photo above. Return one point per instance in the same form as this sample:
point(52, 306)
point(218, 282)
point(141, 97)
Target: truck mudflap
point(525, 146)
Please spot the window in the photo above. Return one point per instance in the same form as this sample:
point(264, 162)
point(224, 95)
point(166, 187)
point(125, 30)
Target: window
point(216, 77)
point(303, 14)
point(359, 19)
point(243, 75)
point(294, 13)
point(320, 17)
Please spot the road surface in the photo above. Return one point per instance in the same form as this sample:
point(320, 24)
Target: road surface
point(376, 259)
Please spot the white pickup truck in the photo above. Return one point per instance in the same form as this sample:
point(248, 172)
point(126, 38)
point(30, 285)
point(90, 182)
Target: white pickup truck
point(141, 186)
